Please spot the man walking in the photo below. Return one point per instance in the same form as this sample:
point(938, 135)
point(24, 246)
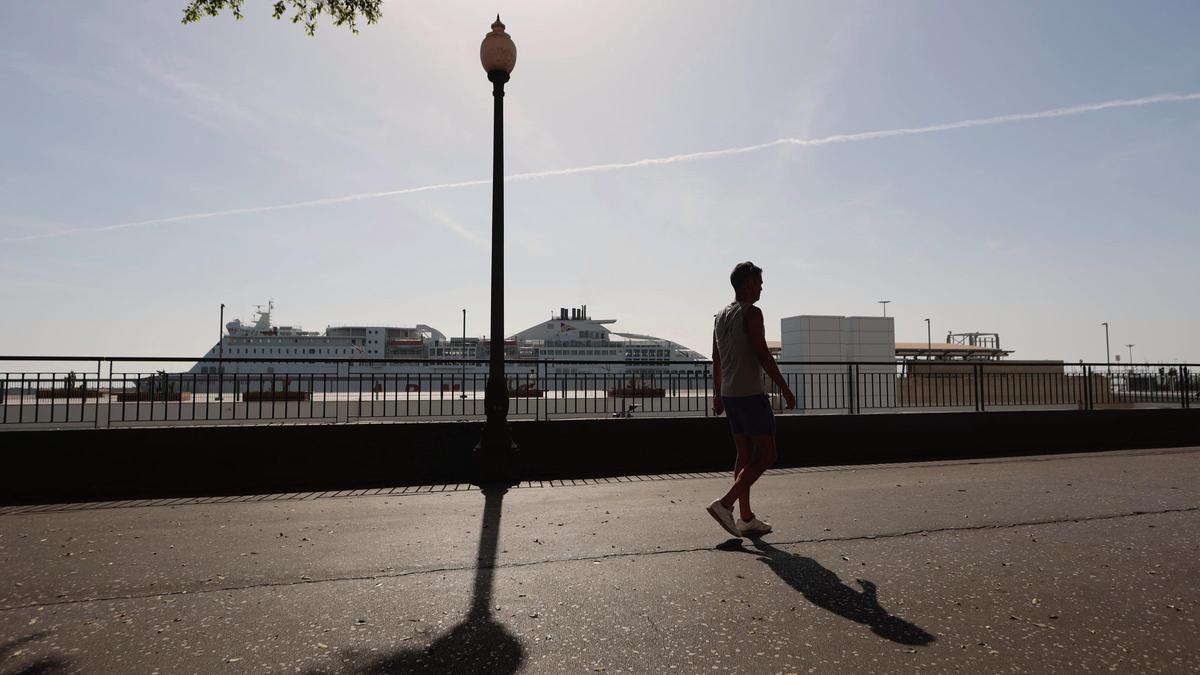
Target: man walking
point(740, 357)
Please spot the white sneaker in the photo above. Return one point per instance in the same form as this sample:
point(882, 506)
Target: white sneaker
point(723, 516)
point(753, 527)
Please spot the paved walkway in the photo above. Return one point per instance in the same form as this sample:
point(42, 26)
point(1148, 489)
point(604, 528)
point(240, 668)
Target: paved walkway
point(1048, 564)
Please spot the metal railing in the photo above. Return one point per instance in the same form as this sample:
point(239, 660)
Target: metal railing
point(107, 392)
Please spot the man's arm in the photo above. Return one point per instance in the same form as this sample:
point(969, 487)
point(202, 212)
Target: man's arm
point(716, 359)
point(718, 405)
point(758, 342)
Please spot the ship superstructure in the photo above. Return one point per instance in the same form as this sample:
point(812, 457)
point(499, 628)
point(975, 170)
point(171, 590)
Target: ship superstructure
point(569, 342)
point(573, 335)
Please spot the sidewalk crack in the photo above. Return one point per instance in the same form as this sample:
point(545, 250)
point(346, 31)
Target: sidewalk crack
point(606, 556)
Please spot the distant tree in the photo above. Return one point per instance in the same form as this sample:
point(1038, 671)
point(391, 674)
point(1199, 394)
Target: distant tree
point(344, 12)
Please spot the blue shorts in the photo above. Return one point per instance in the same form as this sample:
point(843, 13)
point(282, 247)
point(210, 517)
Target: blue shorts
point(750, 415)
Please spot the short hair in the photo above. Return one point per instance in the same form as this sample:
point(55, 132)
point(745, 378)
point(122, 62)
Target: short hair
point(742, 272)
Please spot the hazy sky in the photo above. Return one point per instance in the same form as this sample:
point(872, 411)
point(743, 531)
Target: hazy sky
point(1036, 227)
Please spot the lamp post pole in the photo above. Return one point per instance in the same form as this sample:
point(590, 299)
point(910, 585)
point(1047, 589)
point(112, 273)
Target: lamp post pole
point(221, 356)
point(496, 454)
point(1130, 354)
point(463, 354)
point(885, 304)
point(1107, 350)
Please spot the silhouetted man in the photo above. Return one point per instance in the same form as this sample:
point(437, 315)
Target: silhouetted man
point(740, 357)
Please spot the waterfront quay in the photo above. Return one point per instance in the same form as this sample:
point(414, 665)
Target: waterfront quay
point(1065, 563)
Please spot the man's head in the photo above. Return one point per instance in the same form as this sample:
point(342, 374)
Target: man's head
point(747, 281)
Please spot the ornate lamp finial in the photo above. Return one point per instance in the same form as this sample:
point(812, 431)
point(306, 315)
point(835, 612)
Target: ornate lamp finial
point(498, 53)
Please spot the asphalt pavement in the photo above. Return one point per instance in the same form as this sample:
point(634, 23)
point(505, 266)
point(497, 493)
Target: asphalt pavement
point(1035, 564)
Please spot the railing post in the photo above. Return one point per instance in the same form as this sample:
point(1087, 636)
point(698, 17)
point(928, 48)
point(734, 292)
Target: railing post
point(96, 421)
point(707, 378)
point(1184, 387)
point(544, 386)
point(343, 413)
point(978, 372)
point(1087, 387)
point(851, 389)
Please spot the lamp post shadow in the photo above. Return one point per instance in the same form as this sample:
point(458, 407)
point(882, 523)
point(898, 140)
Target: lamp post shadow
point(478, 644)
point(823, 588)
point(40, 665)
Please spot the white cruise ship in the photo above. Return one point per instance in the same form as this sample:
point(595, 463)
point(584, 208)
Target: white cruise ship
point(570, 341)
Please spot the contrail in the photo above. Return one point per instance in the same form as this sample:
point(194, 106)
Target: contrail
point(654, 161)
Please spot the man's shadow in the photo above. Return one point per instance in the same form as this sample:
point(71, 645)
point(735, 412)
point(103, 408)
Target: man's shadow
point(825, 589)
point(478, 644)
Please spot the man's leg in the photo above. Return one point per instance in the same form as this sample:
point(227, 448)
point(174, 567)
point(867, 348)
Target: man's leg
point(763, 457)
point(745, 452)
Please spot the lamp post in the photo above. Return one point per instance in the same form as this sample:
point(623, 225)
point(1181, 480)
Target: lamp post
point(496, 454)
point(1107, 349)
point(928, 341)
point(885, 304)
point(463, 353)
point(221, 355)
point(1130, 354)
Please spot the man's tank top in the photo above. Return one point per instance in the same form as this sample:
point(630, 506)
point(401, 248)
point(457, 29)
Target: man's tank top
point(741, 373)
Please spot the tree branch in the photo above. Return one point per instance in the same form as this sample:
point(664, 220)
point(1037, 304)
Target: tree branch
point(306, 12)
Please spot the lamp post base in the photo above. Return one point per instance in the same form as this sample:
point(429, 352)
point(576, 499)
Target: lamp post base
point(496, 460)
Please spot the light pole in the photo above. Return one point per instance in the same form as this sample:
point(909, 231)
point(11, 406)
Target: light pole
point(496, 454)
point(928, 341)
point(1107, 349)
point(1130, 354)
point(885, 304)
point(221, 355)
point(463, 394)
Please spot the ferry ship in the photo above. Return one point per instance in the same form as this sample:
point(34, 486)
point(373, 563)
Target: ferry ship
point(569, 342)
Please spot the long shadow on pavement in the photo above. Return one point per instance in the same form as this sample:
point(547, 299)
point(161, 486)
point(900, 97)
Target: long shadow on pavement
point(478, 644)
point(40, 666)
point(825, 589)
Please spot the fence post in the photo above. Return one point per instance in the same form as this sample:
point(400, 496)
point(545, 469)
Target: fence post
point(1184, 387)
point(96, 421)
point(705, 403)
point(978, 387)
point(851, 389)
point(343, 412)
point(1087, 387)
point(543, 384)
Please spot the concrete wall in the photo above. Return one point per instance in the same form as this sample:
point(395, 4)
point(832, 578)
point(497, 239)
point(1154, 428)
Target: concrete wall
point(999, 387)
point(125, 463)
point(1007, 366)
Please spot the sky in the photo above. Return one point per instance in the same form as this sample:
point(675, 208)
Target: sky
point(1047, 182)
